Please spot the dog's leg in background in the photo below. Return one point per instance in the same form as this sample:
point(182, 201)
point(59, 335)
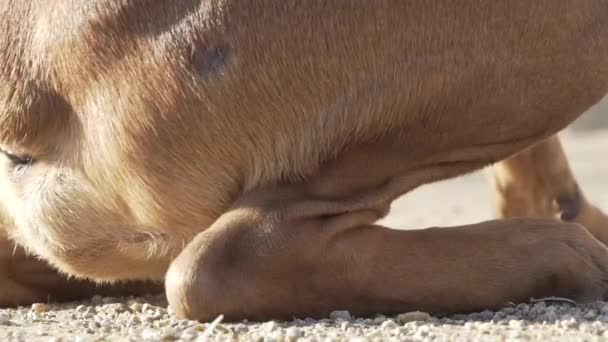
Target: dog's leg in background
point(538, 182)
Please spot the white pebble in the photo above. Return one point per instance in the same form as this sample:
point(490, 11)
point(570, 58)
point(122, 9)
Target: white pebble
point(515, 323)
point(344, 326)
point(422, 332)
point(359, 339)
point(270, 326)
point(34, 316)
point(375, 333)
point(150, 334)
point(389, 324)
point(85, 338)
point(569, 323)
point(136, 307)
point(293, 334)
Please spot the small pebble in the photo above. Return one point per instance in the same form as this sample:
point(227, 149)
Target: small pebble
point(359, 339)
point(569, 323)
point(591, 314)
point(134, 320)
point(85, 338)
point(292, 334)
point(389, 324)
point(5, 319)
point(117, 308)
point(97, 299)
point(109, 300)
point(379, 320)
point(515, 324)
point(415, 316)
point(150, 334)
point(374, 334)
point(341, 314)
point(486, 315)
point(40, 307)
point(170, 335)
point(136, 307)
point(270, 326)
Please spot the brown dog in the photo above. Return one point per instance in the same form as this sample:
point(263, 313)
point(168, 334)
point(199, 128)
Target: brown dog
point(242, 151)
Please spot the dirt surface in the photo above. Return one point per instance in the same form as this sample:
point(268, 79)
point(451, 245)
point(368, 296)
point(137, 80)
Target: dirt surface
point(460, 201)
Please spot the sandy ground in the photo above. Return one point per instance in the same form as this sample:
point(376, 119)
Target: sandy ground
point(460, 201)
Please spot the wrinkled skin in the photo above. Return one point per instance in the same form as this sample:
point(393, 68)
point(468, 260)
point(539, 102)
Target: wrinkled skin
point(242, 151)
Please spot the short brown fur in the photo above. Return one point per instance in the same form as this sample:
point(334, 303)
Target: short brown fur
point(242, 151)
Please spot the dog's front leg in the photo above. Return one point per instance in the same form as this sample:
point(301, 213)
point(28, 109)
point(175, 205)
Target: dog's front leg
point(272, 258)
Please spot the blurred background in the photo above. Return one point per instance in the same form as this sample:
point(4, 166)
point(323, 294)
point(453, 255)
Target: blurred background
point(470, 199)
point(595, 119)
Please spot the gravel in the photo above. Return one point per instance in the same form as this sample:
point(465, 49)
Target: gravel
point(149, 319)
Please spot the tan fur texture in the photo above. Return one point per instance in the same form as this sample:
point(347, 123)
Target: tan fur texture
point(232, 146)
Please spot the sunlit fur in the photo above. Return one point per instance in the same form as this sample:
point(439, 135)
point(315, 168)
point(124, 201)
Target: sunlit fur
point(149, 119)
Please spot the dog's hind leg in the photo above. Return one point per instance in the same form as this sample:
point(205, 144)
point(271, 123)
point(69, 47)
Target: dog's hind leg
point(538, 182)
